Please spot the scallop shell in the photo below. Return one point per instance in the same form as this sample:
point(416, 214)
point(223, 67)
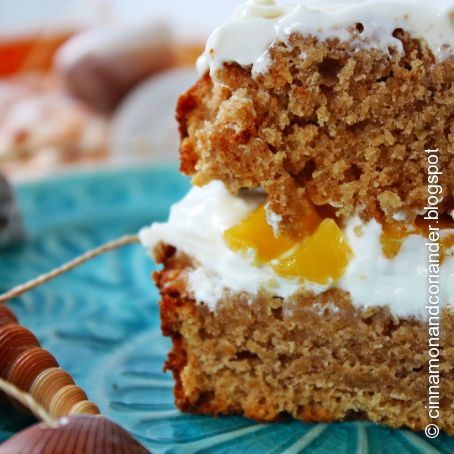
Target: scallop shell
point(34, 370)
point(76, 434)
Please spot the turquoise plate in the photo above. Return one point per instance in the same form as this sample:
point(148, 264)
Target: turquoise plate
point(101, 322)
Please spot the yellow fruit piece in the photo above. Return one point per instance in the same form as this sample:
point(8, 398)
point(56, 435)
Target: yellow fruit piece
point(393, 235)
point(255, 233)
point(320, 258)
point(447, 243)
point(311, 220)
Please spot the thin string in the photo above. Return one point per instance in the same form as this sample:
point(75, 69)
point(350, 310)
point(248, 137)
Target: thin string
point(28, 401)
point(40, 280)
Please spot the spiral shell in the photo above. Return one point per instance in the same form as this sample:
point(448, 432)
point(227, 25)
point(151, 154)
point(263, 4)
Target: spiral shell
point(7, 317)
point(34, 370)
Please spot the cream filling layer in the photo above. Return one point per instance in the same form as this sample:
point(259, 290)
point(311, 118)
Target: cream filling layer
point(196, 227)
point(255, 26)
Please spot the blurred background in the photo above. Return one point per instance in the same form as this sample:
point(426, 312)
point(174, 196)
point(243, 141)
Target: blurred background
point(94, 83)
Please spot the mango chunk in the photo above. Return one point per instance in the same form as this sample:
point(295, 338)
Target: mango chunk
point(255, 233)
point(447, 243)
point(392, 238)
point(311, 220)
point(395, 233)
point(320, 258)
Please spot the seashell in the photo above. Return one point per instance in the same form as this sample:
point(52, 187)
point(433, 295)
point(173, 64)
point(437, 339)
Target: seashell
point(65, 399)
point(75, 434)
point(34, 370)
point(28, 365)
point(11, 225)
point(90, 67)
point(47, 383)
point(85, 407)
point(14, 339)
point(6, 316)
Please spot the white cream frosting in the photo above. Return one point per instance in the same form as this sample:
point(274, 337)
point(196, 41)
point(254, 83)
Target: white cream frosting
point(255, 26)
point(401, 283)
point(197, 224)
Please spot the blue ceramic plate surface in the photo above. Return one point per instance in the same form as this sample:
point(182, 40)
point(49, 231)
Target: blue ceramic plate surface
point(101, 322)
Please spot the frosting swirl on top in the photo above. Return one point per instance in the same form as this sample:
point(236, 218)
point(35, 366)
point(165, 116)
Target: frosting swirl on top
point(255, 26)
point(268, 9)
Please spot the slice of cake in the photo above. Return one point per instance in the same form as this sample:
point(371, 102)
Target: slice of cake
point(335, 101)
point(311, 270)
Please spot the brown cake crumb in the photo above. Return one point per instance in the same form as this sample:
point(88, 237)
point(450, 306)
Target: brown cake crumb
point(342, 126)
point(316, 358)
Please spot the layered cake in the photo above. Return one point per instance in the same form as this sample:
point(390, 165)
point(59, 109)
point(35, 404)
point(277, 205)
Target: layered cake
point(310, 270)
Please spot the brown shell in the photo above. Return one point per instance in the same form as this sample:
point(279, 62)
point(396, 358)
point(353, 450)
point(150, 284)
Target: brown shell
point(14, 339)
point(6, 316)
point(78, 434)
point(28, 365)
point(34, 370)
